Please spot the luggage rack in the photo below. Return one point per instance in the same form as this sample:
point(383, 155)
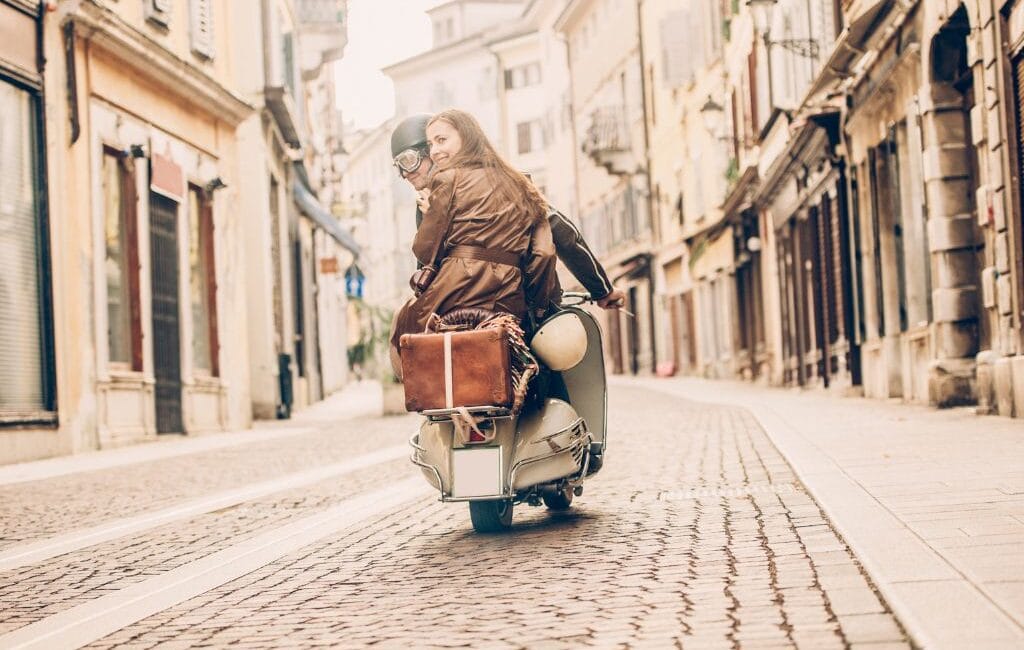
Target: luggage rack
point(443, 415)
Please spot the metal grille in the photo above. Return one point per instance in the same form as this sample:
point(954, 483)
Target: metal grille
point(166, 313)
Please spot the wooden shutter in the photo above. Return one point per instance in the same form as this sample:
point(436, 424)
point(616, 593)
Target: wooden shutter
point(159, 12)
point(681, 48)
point(207, 237)
point(201, 28)
point(130, 220)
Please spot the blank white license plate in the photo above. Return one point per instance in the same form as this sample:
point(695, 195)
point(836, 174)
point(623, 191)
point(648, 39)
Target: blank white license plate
point(477, 472)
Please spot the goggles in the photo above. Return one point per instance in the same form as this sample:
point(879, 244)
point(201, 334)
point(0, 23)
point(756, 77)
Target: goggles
point(409, 160)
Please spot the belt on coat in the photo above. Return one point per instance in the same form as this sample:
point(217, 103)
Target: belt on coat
point(484, 255)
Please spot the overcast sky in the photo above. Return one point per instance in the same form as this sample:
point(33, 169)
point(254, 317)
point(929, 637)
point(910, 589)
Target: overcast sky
point(380, 32)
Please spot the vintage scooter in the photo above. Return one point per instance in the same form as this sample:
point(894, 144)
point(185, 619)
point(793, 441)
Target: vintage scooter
point(544, 454)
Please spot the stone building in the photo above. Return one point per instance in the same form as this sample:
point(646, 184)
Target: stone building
point(875, 205)
point(134, 141)
point(382, 208)
point(131, 125)
point(296, 251)
point(612, 167)
point(459, 70)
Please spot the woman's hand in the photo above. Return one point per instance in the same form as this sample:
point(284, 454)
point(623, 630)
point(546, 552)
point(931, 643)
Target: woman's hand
point(423, 200)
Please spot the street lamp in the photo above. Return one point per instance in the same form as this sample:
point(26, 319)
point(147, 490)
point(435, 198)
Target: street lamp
point(762, 12)
point(713, 115)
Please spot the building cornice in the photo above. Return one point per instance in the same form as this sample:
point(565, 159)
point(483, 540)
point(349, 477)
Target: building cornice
point(437, 55)
point(107, 30)
point(570, 14)
point(508, 41)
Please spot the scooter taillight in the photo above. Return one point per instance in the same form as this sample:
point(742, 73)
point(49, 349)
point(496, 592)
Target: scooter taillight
point(482, 432)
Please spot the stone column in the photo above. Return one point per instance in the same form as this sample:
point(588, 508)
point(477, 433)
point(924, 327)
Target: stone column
point(951, 237)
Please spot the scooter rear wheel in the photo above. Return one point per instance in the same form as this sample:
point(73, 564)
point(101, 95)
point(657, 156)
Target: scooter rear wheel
point(491, 516)
point(558, 499)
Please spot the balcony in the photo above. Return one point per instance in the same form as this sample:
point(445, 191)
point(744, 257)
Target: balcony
point(321, 12)
point(323, 29)
point(607, 141)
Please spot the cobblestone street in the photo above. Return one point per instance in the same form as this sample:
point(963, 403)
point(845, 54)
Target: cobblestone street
point(695, 534)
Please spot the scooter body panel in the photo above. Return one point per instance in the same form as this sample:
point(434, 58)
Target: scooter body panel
point(541, 447)
point(585, 382)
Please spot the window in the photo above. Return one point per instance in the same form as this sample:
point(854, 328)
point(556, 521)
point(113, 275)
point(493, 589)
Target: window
point(523, 76)
point(26, 375)
point(201, 28)
point(121, 263)
point(530, 136)
point(524, 136)
point(203, 281)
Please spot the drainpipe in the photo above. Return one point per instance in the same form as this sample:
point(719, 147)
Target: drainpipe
point(572, 127)
point(655, 226)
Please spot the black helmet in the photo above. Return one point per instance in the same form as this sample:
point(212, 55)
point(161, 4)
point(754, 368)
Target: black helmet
point(410, 132)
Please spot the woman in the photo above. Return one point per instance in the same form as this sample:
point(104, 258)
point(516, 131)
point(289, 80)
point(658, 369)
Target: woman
point(487, 223)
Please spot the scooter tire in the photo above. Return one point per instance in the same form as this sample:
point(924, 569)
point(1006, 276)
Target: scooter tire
point(558, 499)
point(491, 516)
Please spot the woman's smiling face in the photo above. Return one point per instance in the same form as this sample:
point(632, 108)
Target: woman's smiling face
point(444, 142)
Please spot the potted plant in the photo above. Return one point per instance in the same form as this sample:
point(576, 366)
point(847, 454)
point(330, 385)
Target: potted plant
point(368, 356)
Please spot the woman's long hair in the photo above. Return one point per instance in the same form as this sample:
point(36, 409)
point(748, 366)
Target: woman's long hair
point(477, 150)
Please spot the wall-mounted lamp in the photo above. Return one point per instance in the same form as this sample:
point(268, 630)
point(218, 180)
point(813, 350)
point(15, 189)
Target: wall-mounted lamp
point(214, 185)
point(137, 151)
point(762, 12)
point(713, 115)
point(754, 244)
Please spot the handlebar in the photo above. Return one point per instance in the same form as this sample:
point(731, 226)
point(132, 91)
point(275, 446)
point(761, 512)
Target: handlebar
point(574, 298)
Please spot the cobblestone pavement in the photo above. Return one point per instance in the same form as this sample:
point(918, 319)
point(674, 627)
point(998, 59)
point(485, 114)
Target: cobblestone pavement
point(695, 534)
point(38, 509)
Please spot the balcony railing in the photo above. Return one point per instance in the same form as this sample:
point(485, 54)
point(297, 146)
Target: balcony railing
point(607, 131)
point(321, 12)
point(607, 141)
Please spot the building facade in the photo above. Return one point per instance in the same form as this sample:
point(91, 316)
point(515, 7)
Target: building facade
point(296, 251)
point(127, 283)
point(870, 224)
point(612, 167)
point(459, 71)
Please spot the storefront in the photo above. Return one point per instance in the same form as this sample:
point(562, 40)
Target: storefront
point(805, 193)
point(27, 381)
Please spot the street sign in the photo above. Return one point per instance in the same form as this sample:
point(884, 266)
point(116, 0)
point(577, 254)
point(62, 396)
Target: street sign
point(328, 265)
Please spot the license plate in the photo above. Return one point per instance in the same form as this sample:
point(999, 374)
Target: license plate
point(476, 472)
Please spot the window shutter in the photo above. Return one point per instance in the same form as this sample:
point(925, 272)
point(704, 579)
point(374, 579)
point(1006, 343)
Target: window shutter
point(680, 40)
point(202, 28)
point(159, 12)
point(22, 336)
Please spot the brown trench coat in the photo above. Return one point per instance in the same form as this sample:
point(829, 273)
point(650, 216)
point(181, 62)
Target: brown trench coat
point(480, 218)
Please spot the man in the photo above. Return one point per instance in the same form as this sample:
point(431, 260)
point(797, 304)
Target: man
point(411, 156)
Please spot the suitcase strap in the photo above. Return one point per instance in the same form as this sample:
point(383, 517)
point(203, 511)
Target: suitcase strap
point(449, 399)
point(484, 255)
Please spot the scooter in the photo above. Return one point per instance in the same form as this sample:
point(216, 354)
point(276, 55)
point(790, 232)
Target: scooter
point(543, 454)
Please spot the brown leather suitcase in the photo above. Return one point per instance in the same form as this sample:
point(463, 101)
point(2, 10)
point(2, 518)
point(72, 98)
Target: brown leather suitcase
point(453, 369)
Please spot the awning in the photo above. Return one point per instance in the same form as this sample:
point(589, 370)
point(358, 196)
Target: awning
point(310, 206)
point(742, 194)
point(282, 107)
point(802, 143)
point(851, 43)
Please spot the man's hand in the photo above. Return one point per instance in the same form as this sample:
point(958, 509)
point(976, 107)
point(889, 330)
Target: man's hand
point(423, 200)
point(614, 300)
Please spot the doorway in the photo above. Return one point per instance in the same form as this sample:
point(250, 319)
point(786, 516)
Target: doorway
point(163, 242)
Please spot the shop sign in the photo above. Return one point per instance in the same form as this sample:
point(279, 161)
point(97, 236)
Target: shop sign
point(328, 265)
point(167, 177)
